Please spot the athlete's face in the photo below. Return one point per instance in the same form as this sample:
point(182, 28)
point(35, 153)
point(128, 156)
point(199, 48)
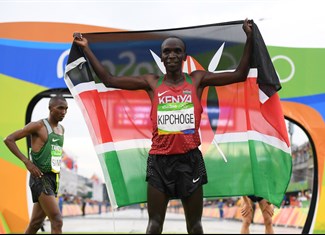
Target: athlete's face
point(173, 54)
point(58, 110)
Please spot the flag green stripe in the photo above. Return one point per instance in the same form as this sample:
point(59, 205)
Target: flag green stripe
point(272, 171)
point(112, 164)
point(248, 171)
point(127, 171)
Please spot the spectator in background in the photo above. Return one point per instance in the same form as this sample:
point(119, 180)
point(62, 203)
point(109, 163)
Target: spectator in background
point(61, 199)
point(142, 207)
point(247, 212)
point(83, 206)
point(220, 207)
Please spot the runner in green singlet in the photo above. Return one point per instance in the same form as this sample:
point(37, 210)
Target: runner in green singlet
point(43, 163)
point(175, 167)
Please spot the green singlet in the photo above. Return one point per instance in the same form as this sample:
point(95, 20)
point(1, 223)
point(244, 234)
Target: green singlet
point(48, 159)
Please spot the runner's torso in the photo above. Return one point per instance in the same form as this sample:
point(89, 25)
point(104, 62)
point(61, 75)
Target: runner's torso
point(48, 159)
point(175, 115)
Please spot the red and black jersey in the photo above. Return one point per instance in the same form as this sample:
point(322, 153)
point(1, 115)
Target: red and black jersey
point(176, 116)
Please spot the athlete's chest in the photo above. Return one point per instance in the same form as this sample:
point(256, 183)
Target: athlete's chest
point(180, 94)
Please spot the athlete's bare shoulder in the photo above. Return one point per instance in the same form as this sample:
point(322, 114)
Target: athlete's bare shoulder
point(198, 75)
point(36, 125)
point(152, 76)
point(152, 79)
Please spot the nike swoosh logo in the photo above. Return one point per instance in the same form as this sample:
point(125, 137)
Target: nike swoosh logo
point(195, 180)
point(54, 140)
point(160, 94)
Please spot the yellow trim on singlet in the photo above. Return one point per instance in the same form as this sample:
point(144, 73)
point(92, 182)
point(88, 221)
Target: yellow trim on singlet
point(57, 180)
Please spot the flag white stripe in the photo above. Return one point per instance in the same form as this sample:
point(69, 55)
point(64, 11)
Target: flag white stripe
point(251, 74)
point(100, 87)
point(220, 138)
point(252, 135)
point(122, 145)
point(72, 65)
point(91, 86)
point(263, 97)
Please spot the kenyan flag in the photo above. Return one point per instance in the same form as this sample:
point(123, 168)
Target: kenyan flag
point(244, 138)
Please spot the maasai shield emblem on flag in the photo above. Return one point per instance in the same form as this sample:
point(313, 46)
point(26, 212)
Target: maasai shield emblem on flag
point(244, 139)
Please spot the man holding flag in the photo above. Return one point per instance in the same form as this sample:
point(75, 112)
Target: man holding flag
point(175, 167)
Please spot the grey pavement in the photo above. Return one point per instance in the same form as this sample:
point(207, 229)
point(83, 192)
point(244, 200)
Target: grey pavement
point(133, 221)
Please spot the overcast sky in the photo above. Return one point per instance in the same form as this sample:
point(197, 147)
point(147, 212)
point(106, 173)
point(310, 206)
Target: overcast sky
point(296, 23)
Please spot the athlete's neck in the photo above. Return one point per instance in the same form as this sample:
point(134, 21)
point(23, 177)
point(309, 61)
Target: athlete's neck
point(174, 79)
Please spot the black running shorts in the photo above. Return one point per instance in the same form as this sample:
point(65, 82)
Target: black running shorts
point(48, 184)
point(255, 198)
point(177, 175)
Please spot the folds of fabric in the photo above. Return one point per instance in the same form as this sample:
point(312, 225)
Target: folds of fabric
point(244, 139)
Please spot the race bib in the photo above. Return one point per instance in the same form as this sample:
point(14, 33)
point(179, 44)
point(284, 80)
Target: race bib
point(56, 156)
point(176, 118)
